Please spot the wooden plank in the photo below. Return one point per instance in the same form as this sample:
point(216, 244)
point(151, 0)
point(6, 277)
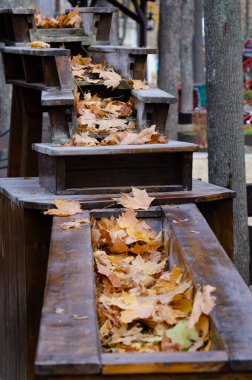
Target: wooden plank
point(68, 345)
point(154, 95)
point(181, 362)
point(29, 194)
point(121, 49)
point(57, 98)
point(34, 51)
point(101, 10)
point(34, 86)
point(56, 150)
point(209, 264)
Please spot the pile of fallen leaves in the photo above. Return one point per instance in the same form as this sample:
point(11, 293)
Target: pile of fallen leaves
point(84, 69)
point(142, 306)
point(99, 115)
point(145, 136)
point(70, 20)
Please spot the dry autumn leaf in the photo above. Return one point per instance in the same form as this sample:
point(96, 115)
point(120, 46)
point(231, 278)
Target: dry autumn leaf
point(40, 45)
point(203, 303)
point(143, 307)
point(69, 20)
point(139, 200)
point(64, 208)
point(76, 223)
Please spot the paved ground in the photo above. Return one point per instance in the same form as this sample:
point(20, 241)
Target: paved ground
point(200, 164)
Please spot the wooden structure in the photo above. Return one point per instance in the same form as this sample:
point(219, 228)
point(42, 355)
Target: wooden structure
point(32, 71)
point(70, 348)
point(25, 240)
point(18, 27)
point(108, 169)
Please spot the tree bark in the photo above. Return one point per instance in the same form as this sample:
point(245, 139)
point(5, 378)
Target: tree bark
point(247, 31)
point(198, 54)
point(168, 46)
point(225, 114)
point(186, 39)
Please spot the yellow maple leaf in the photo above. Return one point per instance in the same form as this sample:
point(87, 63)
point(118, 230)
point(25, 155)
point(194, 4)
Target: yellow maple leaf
point(64, 208)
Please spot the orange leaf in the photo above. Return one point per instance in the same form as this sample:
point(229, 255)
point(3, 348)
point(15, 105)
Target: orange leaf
point(64, 208)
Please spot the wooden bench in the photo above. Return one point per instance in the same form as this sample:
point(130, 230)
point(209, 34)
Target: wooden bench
point(110, 169)
point(32, 71)
point(69, 348)
point(24, 246)
point(97, 22)
point(130, 63)
point(152, 107)
point(17, 25)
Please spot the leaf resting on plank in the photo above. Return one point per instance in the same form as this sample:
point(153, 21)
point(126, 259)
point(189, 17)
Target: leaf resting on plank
point(139, 201)
point(64, 208)
point(204, 302)
point(76, 223)
point(40, 45)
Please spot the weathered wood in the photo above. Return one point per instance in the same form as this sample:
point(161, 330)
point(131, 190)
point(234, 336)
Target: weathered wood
point(128, 62)
point(171, 147)
point(159, 167)
point(28, 194)
point(212, 266)
point(25, 239)
point(190, 234)
point(69, 288)
point(57, 98)
point(97, 21)
point(34, 51)
point(154, 95)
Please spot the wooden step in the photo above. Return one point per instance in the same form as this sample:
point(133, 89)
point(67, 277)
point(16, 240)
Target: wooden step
point(48, 67)
point(152, 107)
point(17, 25)
point(156, 167)
point(128, 62)
point(195, 249)
point(97, 22)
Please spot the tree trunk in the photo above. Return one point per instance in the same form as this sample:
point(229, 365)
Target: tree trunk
point(186, 39)
point(168, 46)
point(225, 114)
point(198, 54)
point(247, 31)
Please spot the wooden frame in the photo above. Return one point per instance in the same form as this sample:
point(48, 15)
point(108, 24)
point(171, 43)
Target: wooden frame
point(24, 248)
point(204, 261)
point(106, 169)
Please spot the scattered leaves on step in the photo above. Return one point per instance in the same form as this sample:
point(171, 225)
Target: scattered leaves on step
point(70, 20)
point(84, 69)
point(138, 84)
point(140, 199)
point(64, 208)
point(76, 223)
point(142, 305)
point(99, 115)
point(145, 136)
point(40, 45)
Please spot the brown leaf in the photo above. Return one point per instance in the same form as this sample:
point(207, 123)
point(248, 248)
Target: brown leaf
point(40, 45)
point(64, 208)
point(139, 200)
point(76, 223)
point(203, 303)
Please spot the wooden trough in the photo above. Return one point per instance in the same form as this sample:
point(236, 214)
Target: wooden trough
point(70, 348)
point(25, 235)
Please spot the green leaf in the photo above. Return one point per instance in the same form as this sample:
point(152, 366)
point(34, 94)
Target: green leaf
point(182, 335)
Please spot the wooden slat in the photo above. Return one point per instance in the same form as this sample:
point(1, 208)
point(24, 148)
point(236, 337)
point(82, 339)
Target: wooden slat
point(154, 95)
point(171, 146)
point(34, 51)
point(209, 264)
point(121, 49)
point(68, 345)
point(57, 98)
point(101, 10)
point(28, 193)
point(181, 362)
